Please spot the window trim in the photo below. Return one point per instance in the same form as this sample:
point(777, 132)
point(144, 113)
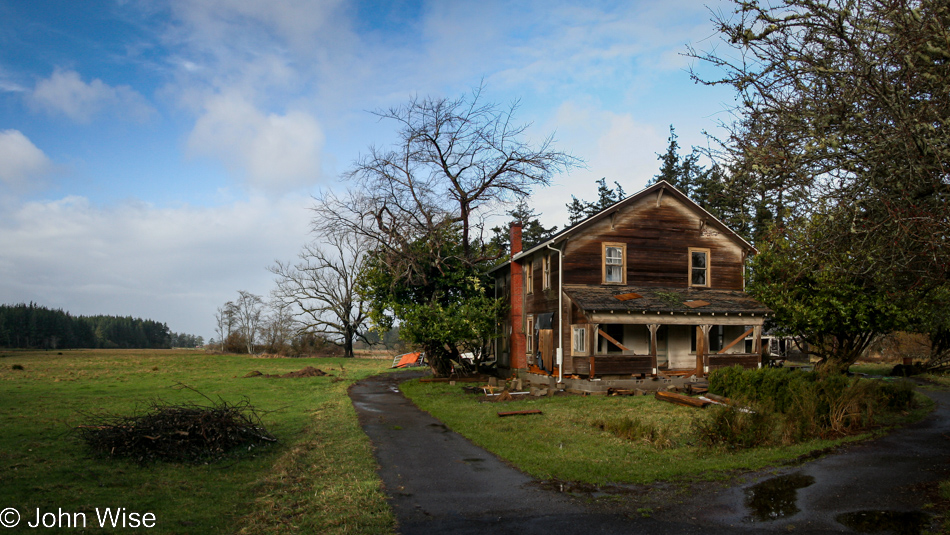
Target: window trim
point(546, 272)
point(689, 273)
point(623, 263)
point(529, 278)
point(529, 335)
point(585, 339)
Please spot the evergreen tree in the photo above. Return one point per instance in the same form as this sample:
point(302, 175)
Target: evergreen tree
point(578, 210)
point(532, 231)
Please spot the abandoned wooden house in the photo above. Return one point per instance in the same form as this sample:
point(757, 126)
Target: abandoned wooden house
point(650, 288)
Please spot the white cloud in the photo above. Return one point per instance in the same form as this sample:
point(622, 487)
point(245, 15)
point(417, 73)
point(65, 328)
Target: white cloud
point(174, 265)
point(273, 152)
point(21, 161)
point(64, 92)
point(615, 146)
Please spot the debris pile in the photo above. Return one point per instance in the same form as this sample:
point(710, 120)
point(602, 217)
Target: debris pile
point(179, 433)
point(309, 371)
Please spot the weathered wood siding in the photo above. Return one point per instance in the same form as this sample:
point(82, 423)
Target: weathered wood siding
point(658, 239)
point(542, 301)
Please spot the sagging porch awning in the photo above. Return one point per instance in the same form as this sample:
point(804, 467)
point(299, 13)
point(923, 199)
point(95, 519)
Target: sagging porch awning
point(642, 305)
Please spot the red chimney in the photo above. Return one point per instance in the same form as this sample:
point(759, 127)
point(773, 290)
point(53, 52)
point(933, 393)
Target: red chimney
point(515, 235)
point(518, 341)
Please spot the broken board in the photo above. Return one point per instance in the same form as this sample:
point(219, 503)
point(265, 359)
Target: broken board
point(680, 399)
point(518, 413)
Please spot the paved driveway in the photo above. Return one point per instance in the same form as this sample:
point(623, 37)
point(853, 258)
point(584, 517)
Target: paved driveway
point(439, 482)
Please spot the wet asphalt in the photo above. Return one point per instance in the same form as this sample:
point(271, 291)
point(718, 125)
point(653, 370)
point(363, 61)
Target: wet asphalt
point(439, 482)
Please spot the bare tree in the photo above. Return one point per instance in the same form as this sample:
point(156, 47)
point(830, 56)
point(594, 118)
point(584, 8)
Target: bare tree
point(249, 309)
point(846, 101)
point(455, 163)
point(421, 204)
point(226, 318)
point(278, 326)
point(322, 288)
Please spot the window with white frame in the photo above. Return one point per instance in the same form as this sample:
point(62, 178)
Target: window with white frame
point(615, 257)
point(529, 335)
point(699, 272)
point(579, 339)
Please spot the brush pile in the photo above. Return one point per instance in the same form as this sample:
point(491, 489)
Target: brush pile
point(178, 433)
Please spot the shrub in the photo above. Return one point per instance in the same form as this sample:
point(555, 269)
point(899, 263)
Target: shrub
point(770, 387)
point(896, 396)
point(736, 427)
point(809, 405)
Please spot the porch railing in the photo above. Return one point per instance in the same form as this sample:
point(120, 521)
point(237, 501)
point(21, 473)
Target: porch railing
point(614, 365)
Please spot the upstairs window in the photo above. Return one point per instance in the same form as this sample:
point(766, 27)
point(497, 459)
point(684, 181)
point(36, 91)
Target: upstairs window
point(546, 272)
point(699, 267)
point(615, 258)
point(529, 278)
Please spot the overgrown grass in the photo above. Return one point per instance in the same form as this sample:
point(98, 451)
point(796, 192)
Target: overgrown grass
point(568, 440)
point(319, 478)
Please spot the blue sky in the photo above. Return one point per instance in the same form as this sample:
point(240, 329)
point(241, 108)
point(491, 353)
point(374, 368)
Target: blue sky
point(157, 155)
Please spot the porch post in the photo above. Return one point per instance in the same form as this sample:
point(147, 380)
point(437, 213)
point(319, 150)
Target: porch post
point(653, 328)
point(702, 343)
point(757, 342)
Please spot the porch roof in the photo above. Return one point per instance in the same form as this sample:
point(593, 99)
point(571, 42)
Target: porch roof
point(669, 300)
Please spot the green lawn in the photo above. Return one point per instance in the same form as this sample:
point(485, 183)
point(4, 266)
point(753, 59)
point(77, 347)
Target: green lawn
point(319, 478)
point(564, 443)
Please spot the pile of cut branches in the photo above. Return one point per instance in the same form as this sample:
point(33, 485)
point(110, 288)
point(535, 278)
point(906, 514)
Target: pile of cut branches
point(179, 433)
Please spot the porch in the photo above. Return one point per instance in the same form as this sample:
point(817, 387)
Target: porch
point(644, 333)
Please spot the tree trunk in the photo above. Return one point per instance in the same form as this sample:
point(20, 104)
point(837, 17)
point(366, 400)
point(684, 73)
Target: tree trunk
point(348, 344)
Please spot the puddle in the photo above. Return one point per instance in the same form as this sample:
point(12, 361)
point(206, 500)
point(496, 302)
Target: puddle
point(898, 522)
point(775, 498)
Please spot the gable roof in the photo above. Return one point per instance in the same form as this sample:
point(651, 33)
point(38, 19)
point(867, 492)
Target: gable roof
point(666, 188)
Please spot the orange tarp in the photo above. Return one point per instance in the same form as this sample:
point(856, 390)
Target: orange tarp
point(408, 360)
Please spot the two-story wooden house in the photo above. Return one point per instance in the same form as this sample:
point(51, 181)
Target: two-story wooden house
point(652, 286)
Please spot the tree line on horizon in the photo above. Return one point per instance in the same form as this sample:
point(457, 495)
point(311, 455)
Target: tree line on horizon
point(31, 326)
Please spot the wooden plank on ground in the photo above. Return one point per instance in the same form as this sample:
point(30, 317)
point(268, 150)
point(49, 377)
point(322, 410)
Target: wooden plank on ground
point(518, 413)
point(450, 379)
point(720, 399)
point(680, 399)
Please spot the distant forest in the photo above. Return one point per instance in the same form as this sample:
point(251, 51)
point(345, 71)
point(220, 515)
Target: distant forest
point(28, 326)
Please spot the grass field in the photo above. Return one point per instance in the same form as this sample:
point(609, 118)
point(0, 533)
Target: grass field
point(320, 478)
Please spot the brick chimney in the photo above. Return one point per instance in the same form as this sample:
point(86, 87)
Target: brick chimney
point(515, 235)
point(518, 341)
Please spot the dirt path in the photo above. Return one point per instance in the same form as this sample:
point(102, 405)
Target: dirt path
point(439, 482)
